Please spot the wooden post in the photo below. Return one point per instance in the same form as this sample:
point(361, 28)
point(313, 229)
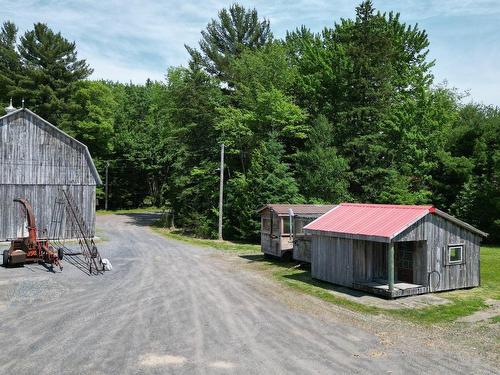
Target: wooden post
point(221, 189)
point(390, 266)
point(106, 188)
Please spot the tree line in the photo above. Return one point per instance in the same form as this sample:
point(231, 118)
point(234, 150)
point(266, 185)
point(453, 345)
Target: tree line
point(351, 113)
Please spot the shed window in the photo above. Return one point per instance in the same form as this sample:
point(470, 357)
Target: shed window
point(286, 225)
point(455, 254)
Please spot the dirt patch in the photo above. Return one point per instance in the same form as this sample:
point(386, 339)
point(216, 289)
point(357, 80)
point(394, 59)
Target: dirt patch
point(157, 360)
point(222, 365)
point(411, 302)
point(492, 311)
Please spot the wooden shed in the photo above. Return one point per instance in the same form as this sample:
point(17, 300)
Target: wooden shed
point(37, 160)
point(394, 250)
point(280, 235)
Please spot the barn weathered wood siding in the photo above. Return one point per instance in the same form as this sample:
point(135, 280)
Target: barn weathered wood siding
point(36, 161)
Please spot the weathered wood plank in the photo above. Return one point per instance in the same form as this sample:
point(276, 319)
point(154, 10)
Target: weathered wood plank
point(36, 161)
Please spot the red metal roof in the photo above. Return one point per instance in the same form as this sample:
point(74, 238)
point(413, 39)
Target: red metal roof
point(381, 220)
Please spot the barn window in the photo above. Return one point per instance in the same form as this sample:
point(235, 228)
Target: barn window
point(455, 254)
point(286, 225)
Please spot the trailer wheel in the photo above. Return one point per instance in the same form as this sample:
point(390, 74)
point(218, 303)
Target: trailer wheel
point(5, 258)
point(60, 253)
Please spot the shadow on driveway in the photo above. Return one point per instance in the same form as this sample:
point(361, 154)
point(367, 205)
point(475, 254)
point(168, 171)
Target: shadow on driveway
point(144, 219)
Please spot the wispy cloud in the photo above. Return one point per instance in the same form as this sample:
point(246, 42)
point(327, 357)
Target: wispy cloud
point(139, 39)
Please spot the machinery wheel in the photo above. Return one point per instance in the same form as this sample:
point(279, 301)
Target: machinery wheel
point(5, 258)
point(60, 253)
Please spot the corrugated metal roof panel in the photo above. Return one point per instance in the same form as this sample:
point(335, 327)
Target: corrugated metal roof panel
point(299, 209)
point(381, 220)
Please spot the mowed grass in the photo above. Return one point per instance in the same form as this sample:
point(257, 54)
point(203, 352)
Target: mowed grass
point(129, 211)
point(228, 246)
point(462, 302)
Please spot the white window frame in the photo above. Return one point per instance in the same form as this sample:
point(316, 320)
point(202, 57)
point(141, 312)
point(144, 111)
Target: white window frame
point(283, 218)
point(462, 249)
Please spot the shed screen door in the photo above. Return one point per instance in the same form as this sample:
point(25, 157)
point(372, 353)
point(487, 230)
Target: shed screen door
point(404, 261)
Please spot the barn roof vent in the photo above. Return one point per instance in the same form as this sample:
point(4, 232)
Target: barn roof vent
point(10, 108)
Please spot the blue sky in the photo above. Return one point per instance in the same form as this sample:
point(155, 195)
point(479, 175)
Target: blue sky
point(136, 39)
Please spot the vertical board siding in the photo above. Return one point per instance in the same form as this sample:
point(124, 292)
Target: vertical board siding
point(344, 261)
point(443, 276)
point(302, 248)
point(36, 161)
point(331, 259)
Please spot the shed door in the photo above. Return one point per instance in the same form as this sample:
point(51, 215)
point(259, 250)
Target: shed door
point(404, 261)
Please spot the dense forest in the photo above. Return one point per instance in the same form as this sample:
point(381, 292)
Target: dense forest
point(348, 114)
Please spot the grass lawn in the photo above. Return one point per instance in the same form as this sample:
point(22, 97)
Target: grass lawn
point(129, 211)
point(463, 302)
point(234, 247)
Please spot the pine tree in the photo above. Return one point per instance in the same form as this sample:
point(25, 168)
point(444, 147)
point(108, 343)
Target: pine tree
point(10, 64)
point(236, 29)
point(50, 70)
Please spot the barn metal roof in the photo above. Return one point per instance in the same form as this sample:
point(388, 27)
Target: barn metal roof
point(380, 222)
point(299, 209)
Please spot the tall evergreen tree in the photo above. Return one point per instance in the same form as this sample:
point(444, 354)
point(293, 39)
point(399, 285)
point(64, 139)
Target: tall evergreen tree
point(10, 62)
point(51, 69)
point(236, 29)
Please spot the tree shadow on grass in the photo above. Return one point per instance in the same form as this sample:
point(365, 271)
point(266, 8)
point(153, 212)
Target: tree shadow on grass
point(275, 261)
point(301, 272)
point(305, 277)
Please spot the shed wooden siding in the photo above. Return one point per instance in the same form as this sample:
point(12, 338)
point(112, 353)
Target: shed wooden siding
point(370, 260)
point(441, 233)
point(435, 271)
point(36, 161)
point(332, 259)
point(302, 241)
point(344, 261)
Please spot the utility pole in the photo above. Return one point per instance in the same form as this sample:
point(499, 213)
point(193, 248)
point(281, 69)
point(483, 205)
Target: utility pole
point(221, 189)
point(106, 188)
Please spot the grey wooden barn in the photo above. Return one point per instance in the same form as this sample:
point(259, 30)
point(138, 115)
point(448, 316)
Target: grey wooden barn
point(394, 250)
point(282, 228)
point(36, 161)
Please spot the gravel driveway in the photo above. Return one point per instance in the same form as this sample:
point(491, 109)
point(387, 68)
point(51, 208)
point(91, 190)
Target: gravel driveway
point(172, 308)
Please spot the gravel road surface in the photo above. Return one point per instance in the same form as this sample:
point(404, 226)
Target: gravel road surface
point(172, 308)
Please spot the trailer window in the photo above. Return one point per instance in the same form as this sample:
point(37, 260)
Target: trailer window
point(286, 225)
point(455, 254)
point(266, 224)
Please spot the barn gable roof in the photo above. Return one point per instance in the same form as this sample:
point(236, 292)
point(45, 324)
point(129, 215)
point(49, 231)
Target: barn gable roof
point(88, 157)
point(298, 209)
point(377, 222)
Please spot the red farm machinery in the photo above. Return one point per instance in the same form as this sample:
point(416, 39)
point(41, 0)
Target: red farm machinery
point(31, 249)
point(66, 217)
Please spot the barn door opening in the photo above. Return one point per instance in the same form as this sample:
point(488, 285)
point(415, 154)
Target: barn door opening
point(404, 261)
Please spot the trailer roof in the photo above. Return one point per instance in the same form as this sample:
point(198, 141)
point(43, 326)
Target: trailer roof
point(378, 221)
point(299, 209)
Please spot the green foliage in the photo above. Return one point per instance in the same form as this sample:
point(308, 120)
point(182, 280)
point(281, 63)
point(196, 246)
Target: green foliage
point(347, 114)
point(268, 179)
point(10, 63)
point(90, 116)
point(226, 38)
point(49, 73)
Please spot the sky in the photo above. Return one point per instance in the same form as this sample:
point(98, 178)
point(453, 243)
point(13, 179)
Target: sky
point(130, 41)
